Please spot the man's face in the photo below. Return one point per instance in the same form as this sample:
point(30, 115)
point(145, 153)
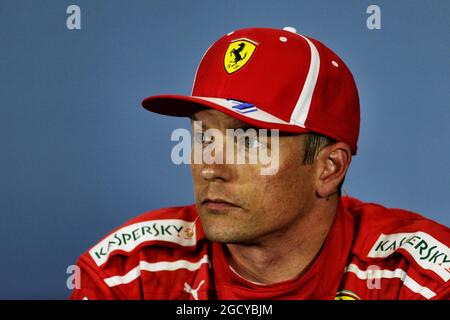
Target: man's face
point(236, 203)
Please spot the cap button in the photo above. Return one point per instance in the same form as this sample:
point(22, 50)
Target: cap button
point(290, 29)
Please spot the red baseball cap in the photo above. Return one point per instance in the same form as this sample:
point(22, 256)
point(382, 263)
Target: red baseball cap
point(273, 79)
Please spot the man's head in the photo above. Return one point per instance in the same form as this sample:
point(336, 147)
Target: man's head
point(270, 79)
point(239, 205)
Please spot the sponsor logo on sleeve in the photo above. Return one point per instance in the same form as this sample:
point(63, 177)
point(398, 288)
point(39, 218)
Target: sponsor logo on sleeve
point(129, 237)
point(428, 252)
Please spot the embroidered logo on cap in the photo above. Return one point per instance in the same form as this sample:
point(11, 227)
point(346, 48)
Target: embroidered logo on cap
point(238, 54)
point(242, 107)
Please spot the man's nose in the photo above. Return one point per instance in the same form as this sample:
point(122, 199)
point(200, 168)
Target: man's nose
point(214, 165)
point(216, 172)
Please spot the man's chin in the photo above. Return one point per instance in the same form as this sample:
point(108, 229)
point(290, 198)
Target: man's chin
point(227, 236)
point(227, 228)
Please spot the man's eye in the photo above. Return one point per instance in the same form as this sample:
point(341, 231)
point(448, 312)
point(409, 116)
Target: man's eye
point(252, 143)
point(203, 138)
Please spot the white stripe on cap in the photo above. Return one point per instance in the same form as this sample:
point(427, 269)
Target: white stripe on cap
point(256, 113)
point(301, 110)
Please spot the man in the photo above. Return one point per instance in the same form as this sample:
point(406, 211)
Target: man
point(285, 234)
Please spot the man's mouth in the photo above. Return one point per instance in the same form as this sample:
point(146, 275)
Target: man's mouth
point(218, 204)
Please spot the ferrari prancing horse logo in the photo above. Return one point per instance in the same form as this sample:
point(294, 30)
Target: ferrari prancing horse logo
point(238, 54)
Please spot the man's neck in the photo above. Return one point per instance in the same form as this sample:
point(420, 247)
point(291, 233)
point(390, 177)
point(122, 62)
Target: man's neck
point(288, 253)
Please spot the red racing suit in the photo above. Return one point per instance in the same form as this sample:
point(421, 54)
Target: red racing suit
point(371, 252)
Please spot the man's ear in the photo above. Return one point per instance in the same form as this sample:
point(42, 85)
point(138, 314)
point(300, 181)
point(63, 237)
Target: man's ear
point(333, 162)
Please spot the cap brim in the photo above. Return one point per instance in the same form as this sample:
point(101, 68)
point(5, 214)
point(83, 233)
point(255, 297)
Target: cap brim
point(186, 106)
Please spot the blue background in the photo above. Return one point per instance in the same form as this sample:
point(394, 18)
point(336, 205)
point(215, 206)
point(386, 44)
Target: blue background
point(79, 156)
